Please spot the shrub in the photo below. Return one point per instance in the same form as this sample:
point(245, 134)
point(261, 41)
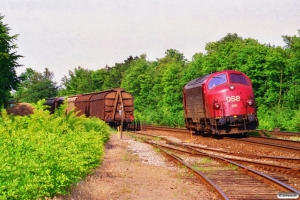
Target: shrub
point(43, 155)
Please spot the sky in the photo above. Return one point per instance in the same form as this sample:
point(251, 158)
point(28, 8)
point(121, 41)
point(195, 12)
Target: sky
point(63, 34)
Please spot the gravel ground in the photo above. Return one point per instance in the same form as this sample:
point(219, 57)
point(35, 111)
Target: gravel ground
point(134, 170)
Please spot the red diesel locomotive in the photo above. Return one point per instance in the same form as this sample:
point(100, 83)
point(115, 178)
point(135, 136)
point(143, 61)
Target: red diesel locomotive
point(220, 103)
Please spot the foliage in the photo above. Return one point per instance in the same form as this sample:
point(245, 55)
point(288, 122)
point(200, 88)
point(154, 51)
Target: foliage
point(35, 86)
point(43, 155)
point(98, 79)
point(78, 82)
point(279, 116)
point(8, 62)
point(115, 74)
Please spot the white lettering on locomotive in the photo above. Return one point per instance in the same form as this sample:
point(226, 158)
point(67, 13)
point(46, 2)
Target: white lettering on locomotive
point(233, 98)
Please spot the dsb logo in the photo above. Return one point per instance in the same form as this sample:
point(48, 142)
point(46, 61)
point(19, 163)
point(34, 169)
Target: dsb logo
point(233, 98)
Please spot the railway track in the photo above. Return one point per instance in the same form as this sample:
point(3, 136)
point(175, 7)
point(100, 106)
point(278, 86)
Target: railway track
point(280, 133)
point(262, 132)
point(279, 159)
point(283, 144)
point(267, 140)
point(225, 174)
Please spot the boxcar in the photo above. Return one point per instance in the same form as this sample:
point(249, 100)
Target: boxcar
point(113, 106)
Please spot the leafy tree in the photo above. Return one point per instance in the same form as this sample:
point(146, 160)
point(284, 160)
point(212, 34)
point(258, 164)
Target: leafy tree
point(193, 69)
point(292, 96)
point(167, 87)
point(35, 86)
point(116, 73)
point(98, 79)
point(134, 79)
point(276, 71)
point(80, 81)
point(8, 62)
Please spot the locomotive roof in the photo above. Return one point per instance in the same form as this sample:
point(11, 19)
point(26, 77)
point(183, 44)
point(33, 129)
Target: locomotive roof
point(201, 80)
point(197, 82)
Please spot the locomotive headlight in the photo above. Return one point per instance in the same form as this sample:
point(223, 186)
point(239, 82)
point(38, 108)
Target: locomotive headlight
point(217, 106)
point(231, 87)
point(250, 102)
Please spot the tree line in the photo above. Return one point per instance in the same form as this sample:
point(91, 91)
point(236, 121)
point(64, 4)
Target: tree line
point(157, 85)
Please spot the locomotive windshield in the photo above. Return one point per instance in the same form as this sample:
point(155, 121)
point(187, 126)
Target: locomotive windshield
point(217, 80)
point(238, 78)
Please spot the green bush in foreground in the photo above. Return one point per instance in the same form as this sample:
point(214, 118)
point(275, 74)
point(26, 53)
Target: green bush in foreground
point(42, 155)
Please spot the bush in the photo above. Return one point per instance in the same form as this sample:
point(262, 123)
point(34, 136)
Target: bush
point(43, 155)
point(284, 118)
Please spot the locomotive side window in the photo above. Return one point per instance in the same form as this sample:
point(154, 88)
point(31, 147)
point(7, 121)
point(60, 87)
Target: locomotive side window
point(238, 78)
point(217, 80)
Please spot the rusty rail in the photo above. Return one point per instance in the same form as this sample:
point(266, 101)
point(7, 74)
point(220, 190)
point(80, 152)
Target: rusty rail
point(200, 175)
point(272, 181)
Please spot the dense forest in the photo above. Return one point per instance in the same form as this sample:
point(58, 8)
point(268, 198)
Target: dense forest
point(157, 85)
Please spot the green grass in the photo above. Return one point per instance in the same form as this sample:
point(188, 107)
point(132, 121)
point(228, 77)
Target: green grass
point(233, 167)
point(205, 160)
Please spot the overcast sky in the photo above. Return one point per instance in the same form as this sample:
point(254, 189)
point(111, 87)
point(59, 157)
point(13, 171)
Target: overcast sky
point(63, 34)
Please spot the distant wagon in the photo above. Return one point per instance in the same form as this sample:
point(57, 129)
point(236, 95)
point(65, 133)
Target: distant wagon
point(113, 106)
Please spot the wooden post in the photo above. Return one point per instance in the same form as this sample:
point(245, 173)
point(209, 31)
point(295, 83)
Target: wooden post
point(122, 111)
point(118, 132)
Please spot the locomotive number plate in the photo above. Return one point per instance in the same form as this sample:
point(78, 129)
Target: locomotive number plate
point(233, 98)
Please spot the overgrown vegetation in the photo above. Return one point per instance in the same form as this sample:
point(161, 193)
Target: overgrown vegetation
point(43, 155)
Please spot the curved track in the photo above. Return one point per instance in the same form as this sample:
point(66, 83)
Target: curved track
point(245, 187)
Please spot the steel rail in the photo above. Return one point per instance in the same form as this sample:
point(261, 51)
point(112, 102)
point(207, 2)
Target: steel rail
point(245, 154)
point(184, 130)
point(289, 148)
point(282, 133)
point(262, 164)
point(253, 172)
point(291, 143)
point(270, 179)
point(227, 152)
point(200, 175)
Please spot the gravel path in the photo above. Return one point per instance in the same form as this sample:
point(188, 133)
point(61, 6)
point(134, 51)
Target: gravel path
point(133, 170)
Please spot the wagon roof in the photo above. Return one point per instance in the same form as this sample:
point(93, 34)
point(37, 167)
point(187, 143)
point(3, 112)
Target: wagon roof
point(50, 100)
point(60, 99)
point(100, 95)
point(84, 98)
point(105, 91)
